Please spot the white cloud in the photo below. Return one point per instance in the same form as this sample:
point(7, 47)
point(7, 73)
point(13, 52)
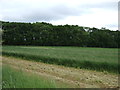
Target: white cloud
point(93, 13)
point(97, 18)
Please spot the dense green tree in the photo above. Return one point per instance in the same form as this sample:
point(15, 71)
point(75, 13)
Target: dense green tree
point(41, 33)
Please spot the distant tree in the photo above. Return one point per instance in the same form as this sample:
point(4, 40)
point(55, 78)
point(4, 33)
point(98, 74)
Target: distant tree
point(42, 33)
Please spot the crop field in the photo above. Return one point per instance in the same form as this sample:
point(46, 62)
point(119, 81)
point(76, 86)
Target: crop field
point(100, 59)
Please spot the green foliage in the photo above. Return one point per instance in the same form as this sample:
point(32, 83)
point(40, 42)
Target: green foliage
point(45, 34)
point(101, 59)
point(103, 38)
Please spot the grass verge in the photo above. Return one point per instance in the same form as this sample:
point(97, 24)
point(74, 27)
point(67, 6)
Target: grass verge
point(14, 78)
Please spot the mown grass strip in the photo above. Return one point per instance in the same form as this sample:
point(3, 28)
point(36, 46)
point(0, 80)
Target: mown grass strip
point(99, 66)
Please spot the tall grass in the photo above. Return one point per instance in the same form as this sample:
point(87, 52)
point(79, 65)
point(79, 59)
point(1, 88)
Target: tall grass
point(101, 59)
point(13, 78)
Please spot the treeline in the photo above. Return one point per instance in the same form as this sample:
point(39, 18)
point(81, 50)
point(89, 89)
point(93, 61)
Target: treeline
point(46, 34)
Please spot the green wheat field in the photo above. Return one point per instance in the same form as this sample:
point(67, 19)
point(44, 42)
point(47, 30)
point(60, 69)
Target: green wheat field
point(100, 59)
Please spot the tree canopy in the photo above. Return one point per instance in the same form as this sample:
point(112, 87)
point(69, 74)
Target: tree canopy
point(46, 34)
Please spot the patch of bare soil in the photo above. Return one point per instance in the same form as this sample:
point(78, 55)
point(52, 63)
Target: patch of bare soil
point(79, 78)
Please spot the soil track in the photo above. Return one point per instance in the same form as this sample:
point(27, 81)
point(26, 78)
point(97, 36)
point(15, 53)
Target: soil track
point(74, 77)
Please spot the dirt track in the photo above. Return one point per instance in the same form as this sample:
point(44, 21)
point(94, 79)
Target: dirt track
point(74, 77)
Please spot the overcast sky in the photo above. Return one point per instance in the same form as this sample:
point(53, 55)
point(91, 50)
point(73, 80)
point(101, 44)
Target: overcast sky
point(90, 13)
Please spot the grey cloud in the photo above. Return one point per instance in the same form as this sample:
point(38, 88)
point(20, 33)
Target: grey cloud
point(104, 5)
point(112, 25)
point(44, 14)
point(65, 10)
point(27, 13)
point(41, 16)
